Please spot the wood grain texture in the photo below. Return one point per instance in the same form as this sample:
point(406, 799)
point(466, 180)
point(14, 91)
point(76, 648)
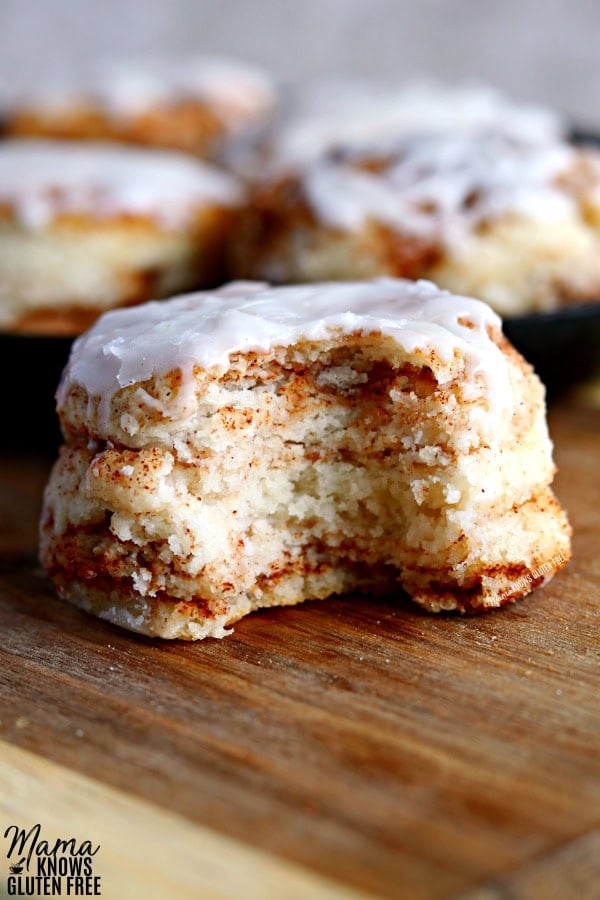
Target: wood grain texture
point(395, 752)
point(145, 852)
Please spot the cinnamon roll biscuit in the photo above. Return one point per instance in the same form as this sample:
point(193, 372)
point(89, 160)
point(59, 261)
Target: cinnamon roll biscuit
point(255, 446)
point(88, 227)
point(193, 105)
point(511, 222)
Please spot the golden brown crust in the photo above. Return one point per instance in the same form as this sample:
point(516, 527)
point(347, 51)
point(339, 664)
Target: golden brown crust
point(277, 216)
point(202, 263)
point(271, 212)
point(187, 125)
point(99, 581)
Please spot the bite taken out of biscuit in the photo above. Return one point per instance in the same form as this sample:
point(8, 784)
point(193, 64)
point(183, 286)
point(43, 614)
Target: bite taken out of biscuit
point(256, 446)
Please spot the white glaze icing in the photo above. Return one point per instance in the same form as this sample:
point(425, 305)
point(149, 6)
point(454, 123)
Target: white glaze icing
point(238, 93)
point(129, 346)
point(443, 186)
point(349, 113)
point(41, 179)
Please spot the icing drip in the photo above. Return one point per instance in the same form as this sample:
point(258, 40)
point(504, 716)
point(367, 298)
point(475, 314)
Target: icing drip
point(238, 93)
point(345, 114)
point(442, 187)
point(42, 179)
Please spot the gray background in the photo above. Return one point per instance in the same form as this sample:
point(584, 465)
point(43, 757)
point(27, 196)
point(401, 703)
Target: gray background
point(544, 50)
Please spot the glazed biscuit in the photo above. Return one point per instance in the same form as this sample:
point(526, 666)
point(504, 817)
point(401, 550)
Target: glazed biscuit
point(513, 223)
point(195, 106)
point(89, 227)
point(329, 114)
point(257, 446)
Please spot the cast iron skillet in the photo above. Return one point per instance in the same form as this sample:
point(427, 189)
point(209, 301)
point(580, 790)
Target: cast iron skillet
point(563, 346)
point(30, 369)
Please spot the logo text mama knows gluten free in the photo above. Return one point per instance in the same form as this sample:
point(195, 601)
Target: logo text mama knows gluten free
point(41, 868)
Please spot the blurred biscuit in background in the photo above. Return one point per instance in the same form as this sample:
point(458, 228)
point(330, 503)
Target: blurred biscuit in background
point(194, 105)
point(86, 227)
point(481, 194)
point(319, 116)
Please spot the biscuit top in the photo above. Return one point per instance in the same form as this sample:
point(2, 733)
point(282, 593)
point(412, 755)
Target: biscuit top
point(130, 346)
point(444, 186)
point(236, 92)
point(40, 180)
point(347, 113)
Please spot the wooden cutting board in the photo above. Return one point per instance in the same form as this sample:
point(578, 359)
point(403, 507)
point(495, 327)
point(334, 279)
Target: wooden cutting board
point(343, 748)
